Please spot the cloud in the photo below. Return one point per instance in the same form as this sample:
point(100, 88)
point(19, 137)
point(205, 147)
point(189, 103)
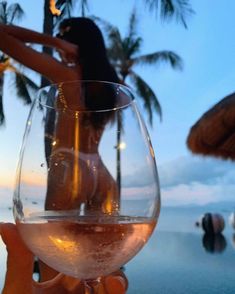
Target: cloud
point(188, 170)
point(185, 180)
point(197, 194)
point(139, 178)
point(197, 180)
point(139, 193)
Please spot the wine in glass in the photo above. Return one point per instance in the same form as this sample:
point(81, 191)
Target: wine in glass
point(87, 193)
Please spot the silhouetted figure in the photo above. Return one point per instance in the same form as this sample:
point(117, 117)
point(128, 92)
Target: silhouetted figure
point(212, 223)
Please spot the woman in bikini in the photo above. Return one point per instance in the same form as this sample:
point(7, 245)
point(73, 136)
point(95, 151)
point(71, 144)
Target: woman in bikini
point(83, 57)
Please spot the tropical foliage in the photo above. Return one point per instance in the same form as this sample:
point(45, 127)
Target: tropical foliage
point(66, 7)
point(178, 10)
point(9, 14)
point(124, 54)
point(166, 9)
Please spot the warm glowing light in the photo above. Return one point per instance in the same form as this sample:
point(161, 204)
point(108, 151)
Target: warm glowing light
point(108, 206)
point(6, 65)
point(122, 145)
point(53, 8)
point(67, 246)
point(53, 143)
point(76, 163)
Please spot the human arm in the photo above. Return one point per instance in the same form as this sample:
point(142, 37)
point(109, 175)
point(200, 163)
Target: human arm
point(29, 36)
point(12, 43)
point(19, 261)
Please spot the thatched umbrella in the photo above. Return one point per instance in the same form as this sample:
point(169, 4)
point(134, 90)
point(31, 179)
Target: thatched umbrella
point(214, 133)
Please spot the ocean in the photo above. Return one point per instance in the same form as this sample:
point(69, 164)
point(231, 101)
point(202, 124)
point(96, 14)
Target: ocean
point(179, 258)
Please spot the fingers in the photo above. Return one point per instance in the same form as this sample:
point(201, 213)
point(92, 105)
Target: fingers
point(46, 273)
point(61, 284)
point(115, 283)
point(19, 262)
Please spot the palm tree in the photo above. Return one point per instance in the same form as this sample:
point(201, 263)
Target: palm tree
point(124, 56)
point(123, 53)
point(168, 10)
point(8, 15)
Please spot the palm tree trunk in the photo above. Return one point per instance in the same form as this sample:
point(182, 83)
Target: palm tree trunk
point(118, 155)
point(47, 29)
point(2, 117)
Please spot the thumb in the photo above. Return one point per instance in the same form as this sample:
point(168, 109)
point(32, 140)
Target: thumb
point(116, 283)
point(19, 262)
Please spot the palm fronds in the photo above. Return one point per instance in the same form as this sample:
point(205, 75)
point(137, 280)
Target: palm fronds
point(10, 13)
point(2, 116)
point(133, 23)
point(124, 55)
point(131, 46)
point(106, 26)
point(24, 86)
point(84, 6)
point(147, 95)
point(171, 9)
point(15, 12)
point(65, 6)
point(3, 12)
point(158, 57)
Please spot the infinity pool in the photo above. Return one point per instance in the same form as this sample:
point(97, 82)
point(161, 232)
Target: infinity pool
point(179, 258)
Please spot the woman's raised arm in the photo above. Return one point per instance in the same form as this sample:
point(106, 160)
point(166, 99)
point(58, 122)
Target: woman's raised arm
point(12, 43)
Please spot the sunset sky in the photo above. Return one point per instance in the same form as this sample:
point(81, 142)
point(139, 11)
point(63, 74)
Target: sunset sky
point(207, 48)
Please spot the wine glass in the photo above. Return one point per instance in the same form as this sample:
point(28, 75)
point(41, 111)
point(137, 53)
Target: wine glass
point(87, 194)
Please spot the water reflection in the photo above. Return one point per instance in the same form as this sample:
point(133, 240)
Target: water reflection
point(233, 240)
point(214, 243)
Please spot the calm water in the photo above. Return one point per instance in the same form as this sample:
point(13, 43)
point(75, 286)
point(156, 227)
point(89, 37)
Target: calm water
point(179, 258)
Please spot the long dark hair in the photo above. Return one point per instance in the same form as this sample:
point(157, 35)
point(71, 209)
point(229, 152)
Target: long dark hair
point(94, 62)
point(92, 52)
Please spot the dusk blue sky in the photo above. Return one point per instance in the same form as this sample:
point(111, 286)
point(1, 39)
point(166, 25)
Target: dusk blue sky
point(207, 48)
